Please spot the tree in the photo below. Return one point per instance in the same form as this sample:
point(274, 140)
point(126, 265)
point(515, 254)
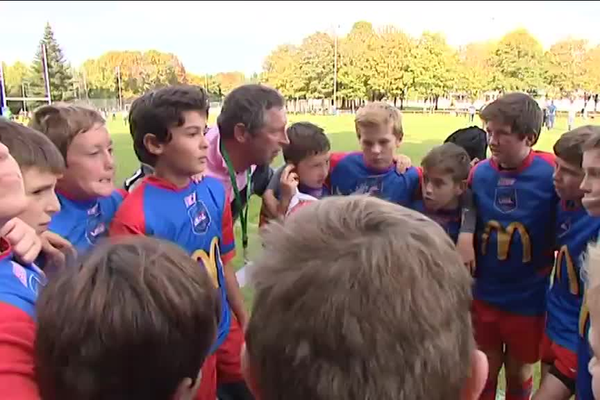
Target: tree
point(565, 63)
point(356, 64)
point(316, 65)
point(281, 70)
point(591, 81)
point(518, 63)
point(14, 77)
point(392, 75)
point(58, 72)
point(227, 81)
point(474, 69)
point(435, 67)
point(139, 72)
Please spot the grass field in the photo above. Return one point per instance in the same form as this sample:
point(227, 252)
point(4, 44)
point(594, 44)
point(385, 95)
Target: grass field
point(421, 133)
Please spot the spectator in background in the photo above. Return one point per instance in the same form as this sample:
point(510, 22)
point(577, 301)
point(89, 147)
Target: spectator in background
point(551, 115)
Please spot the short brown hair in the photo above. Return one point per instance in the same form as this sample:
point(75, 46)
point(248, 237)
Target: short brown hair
point(306, 140)
point(158, 111)
point(62, 122)
point(132, 320)
point(345, 310)
point(518, 110)
point(379, 114)
point(593, 142)
point(30, 148)
point(570, 146)
point(449, 159)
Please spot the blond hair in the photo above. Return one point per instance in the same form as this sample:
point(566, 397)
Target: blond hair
point(62, 122)
point(358, 298)
point(379, 114)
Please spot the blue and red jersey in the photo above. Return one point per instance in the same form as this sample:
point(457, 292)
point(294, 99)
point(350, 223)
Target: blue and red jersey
point(574, 230)
point(515, 233)
point(349, 174)
point(583, 383)
point(449, 220)
point(19, 286)
point(83, 222)
point(197, 218)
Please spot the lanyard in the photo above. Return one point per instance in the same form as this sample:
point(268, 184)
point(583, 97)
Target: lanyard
point(238, 197)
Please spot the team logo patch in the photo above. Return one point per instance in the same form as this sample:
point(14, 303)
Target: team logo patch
point(506, 199)
point(199, 217)
point(564, 228)
point(95, 229)
point(372, 185)
point(506, 181)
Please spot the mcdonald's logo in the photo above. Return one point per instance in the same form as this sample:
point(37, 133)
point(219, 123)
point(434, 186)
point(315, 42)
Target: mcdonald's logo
point(211, 260)
point(563, 254)
point(584, 316)
point(504, 238)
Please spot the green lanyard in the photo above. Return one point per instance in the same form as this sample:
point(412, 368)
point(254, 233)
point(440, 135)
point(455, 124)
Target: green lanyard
point(238, 198)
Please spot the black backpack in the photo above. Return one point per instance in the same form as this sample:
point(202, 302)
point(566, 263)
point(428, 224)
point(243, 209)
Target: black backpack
point(473, 139)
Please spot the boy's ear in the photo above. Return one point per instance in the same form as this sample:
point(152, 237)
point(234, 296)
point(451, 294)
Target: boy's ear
point(152, 144)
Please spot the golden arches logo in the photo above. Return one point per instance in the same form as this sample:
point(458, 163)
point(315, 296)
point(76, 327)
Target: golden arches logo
point(563, 253)
point(210, 260)
point(584, 316)
point(504, 238)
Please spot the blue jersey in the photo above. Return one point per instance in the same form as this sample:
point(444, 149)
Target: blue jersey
point(583, 383)
point(449, 220)
point(83, 222)
point(19, 284)
point(515, 233)
point(575, 229)
point(197, 218)
point(350, 175)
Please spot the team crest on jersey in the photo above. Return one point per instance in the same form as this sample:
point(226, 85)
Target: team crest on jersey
point(372, 185)
point(564, 228)
point(31, 282)
point(199, 217)
point(95, 229)
point(506, 199)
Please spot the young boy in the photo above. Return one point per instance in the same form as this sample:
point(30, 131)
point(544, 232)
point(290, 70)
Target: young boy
point(135, 320)
point(168, 127)
point(516, 203)
point(19, 285)
point(591, 202)
point(41, 165)
point(86, 191)
point(574, 230)
point(391, 278)
point(445, 173)
point(591, 389)
point(372, 171)
point(303, 176)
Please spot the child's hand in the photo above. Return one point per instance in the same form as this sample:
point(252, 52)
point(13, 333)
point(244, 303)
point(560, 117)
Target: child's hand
point(465, 248)
point(474, 161)
point(57, 249)
point(26, 244)
point(289, 182)
point(403, 162)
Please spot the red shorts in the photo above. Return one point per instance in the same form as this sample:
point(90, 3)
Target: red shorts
point(208, 383)
point(229, 354)
point(564, 360)
point(495, 328)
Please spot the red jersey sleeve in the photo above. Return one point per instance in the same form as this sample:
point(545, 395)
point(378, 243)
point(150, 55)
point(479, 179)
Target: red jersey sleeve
point(130, 219)
point(228, 238)
point(17, 335)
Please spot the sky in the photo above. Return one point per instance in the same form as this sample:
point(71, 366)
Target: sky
point(211, 37)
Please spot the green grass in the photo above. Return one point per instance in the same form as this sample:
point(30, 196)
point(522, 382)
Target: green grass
point(422, 132)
